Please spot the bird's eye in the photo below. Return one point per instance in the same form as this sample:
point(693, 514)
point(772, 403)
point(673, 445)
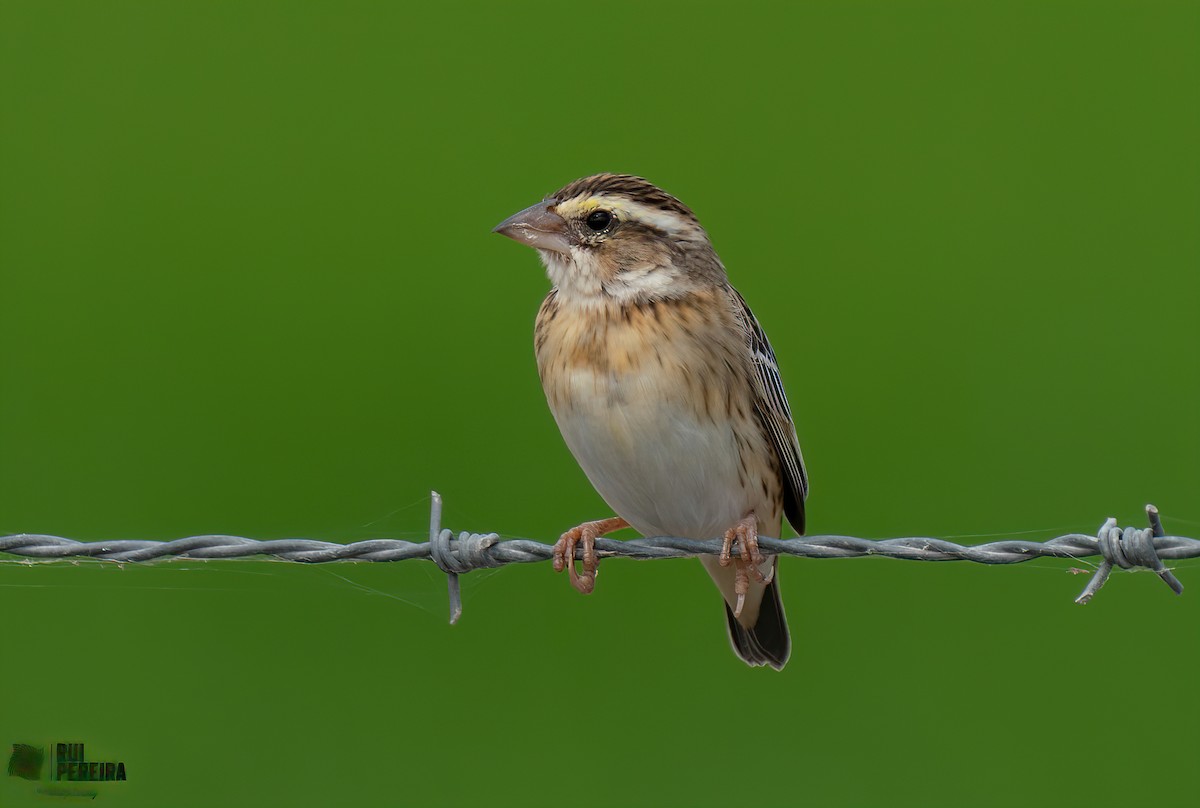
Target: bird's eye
point(599, 219)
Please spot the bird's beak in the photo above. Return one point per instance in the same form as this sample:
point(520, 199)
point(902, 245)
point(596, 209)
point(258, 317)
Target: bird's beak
point(538, 226)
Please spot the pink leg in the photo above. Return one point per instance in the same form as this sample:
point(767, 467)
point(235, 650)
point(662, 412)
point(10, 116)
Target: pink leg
point(746, 534)
point(587, 533)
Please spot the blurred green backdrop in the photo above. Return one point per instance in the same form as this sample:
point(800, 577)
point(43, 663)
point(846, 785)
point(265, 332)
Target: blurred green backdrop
point(248, 286)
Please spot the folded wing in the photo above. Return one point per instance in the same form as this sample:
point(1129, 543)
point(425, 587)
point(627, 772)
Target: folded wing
point(772, 407)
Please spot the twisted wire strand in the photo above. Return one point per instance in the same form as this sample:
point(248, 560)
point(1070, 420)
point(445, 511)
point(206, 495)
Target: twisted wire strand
point(456, 554)
point(525, 551)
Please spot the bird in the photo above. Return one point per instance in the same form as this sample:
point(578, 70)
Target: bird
point(666, 391)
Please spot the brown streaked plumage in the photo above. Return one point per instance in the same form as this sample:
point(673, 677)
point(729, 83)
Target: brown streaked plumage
point(666, 391)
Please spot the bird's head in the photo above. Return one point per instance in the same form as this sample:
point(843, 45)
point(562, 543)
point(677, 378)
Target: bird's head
point(617, 238)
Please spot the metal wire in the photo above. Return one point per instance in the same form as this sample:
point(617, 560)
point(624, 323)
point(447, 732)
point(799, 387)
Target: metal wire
point(456, 554)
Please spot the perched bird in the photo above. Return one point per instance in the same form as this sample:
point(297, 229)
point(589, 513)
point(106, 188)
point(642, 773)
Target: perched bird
point(666, 391)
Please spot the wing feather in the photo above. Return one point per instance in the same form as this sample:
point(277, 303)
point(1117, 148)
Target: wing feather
point(772, 406)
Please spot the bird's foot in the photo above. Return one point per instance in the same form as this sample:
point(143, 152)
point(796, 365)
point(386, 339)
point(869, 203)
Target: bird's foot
point(747, 566)
point(585, 534)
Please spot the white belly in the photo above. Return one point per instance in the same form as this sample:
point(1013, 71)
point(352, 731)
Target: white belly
point(664, 468)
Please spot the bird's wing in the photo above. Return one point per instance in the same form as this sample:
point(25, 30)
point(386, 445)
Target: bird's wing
point(772, 407)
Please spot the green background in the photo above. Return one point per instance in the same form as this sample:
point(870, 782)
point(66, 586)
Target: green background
point(248, 286)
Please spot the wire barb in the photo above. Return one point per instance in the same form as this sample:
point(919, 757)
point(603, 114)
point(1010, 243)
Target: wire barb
point(455, 555)
point(1128, 548)
point(439, 551)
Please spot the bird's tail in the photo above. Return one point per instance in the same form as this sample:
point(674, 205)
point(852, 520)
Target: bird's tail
point(767, 642)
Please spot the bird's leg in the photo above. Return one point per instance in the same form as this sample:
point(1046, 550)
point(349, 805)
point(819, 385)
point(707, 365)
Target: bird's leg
point(587, 533)
point(746, 534)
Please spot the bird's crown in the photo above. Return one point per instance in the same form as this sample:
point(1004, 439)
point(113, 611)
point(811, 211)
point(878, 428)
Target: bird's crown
point(635, 191)
point(627, 198)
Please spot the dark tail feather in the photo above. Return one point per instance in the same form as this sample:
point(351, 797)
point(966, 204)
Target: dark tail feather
point(768, 642)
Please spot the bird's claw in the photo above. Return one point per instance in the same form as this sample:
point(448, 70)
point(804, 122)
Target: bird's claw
point(585, 534)
point(747, 565)
point(564, 556)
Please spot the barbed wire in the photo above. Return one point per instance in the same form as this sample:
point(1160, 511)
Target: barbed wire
point(457, 554)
